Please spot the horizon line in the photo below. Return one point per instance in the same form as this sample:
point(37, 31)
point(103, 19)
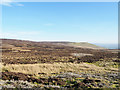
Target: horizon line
point(54, 41)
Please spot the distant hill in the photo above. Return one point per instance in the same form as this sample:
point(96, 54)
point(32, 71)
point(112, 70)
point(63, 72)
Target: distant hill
point(26, 43)
point(80, 45)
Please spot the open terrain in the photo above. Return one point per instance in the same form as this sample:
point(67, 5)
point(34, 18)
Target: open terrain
point(58, 65)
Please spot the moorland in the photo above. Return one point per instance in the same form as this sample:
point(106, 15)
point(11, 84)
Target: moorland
point(56, 65)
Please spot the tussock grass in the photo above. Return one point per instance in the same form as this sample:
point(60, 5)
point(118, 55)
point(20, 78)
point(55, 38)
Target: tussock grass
point(45, 69)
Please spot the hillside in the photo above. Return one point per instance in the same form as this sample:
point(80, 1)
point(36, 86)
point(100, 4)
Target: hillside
point(81, 45)
point(20, 51)
point(24, 43)
point(58, 65)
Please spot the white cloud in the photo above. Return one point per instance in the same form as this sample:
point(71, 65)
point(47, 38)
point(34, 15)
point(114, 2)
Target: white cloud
point(16, 34)
point(67, 0)
point(18, 4)
point(10, 3)
point(6, 2)
point(23, 35)
point(28, 33)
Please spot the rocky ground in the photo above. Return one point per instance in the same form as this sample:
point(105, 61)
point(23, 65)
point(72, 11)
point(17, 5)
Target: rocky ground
point(64, 80)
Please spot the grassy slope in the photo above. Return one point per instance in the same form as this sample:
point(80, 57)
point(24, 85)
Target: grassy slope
point(85, 45)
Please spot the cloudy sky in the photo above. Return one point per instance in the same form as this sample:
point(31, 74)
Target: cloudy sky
point(68, 21)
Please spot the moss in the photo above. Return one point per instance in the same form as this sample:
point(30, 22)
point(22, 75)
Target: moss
point(115, 86)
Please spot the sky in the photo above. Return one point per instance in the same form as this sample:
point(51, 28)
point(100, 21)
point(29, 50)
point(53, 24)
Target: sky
point(93, 22)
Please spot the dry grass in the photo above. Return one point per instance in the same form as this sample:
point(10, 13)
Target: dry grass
point(1, 67)
point(48, 69)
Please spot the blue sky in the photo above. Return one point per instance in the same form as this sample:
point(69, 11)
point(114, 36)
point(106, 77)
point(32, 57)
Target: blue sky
point(50, 21)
